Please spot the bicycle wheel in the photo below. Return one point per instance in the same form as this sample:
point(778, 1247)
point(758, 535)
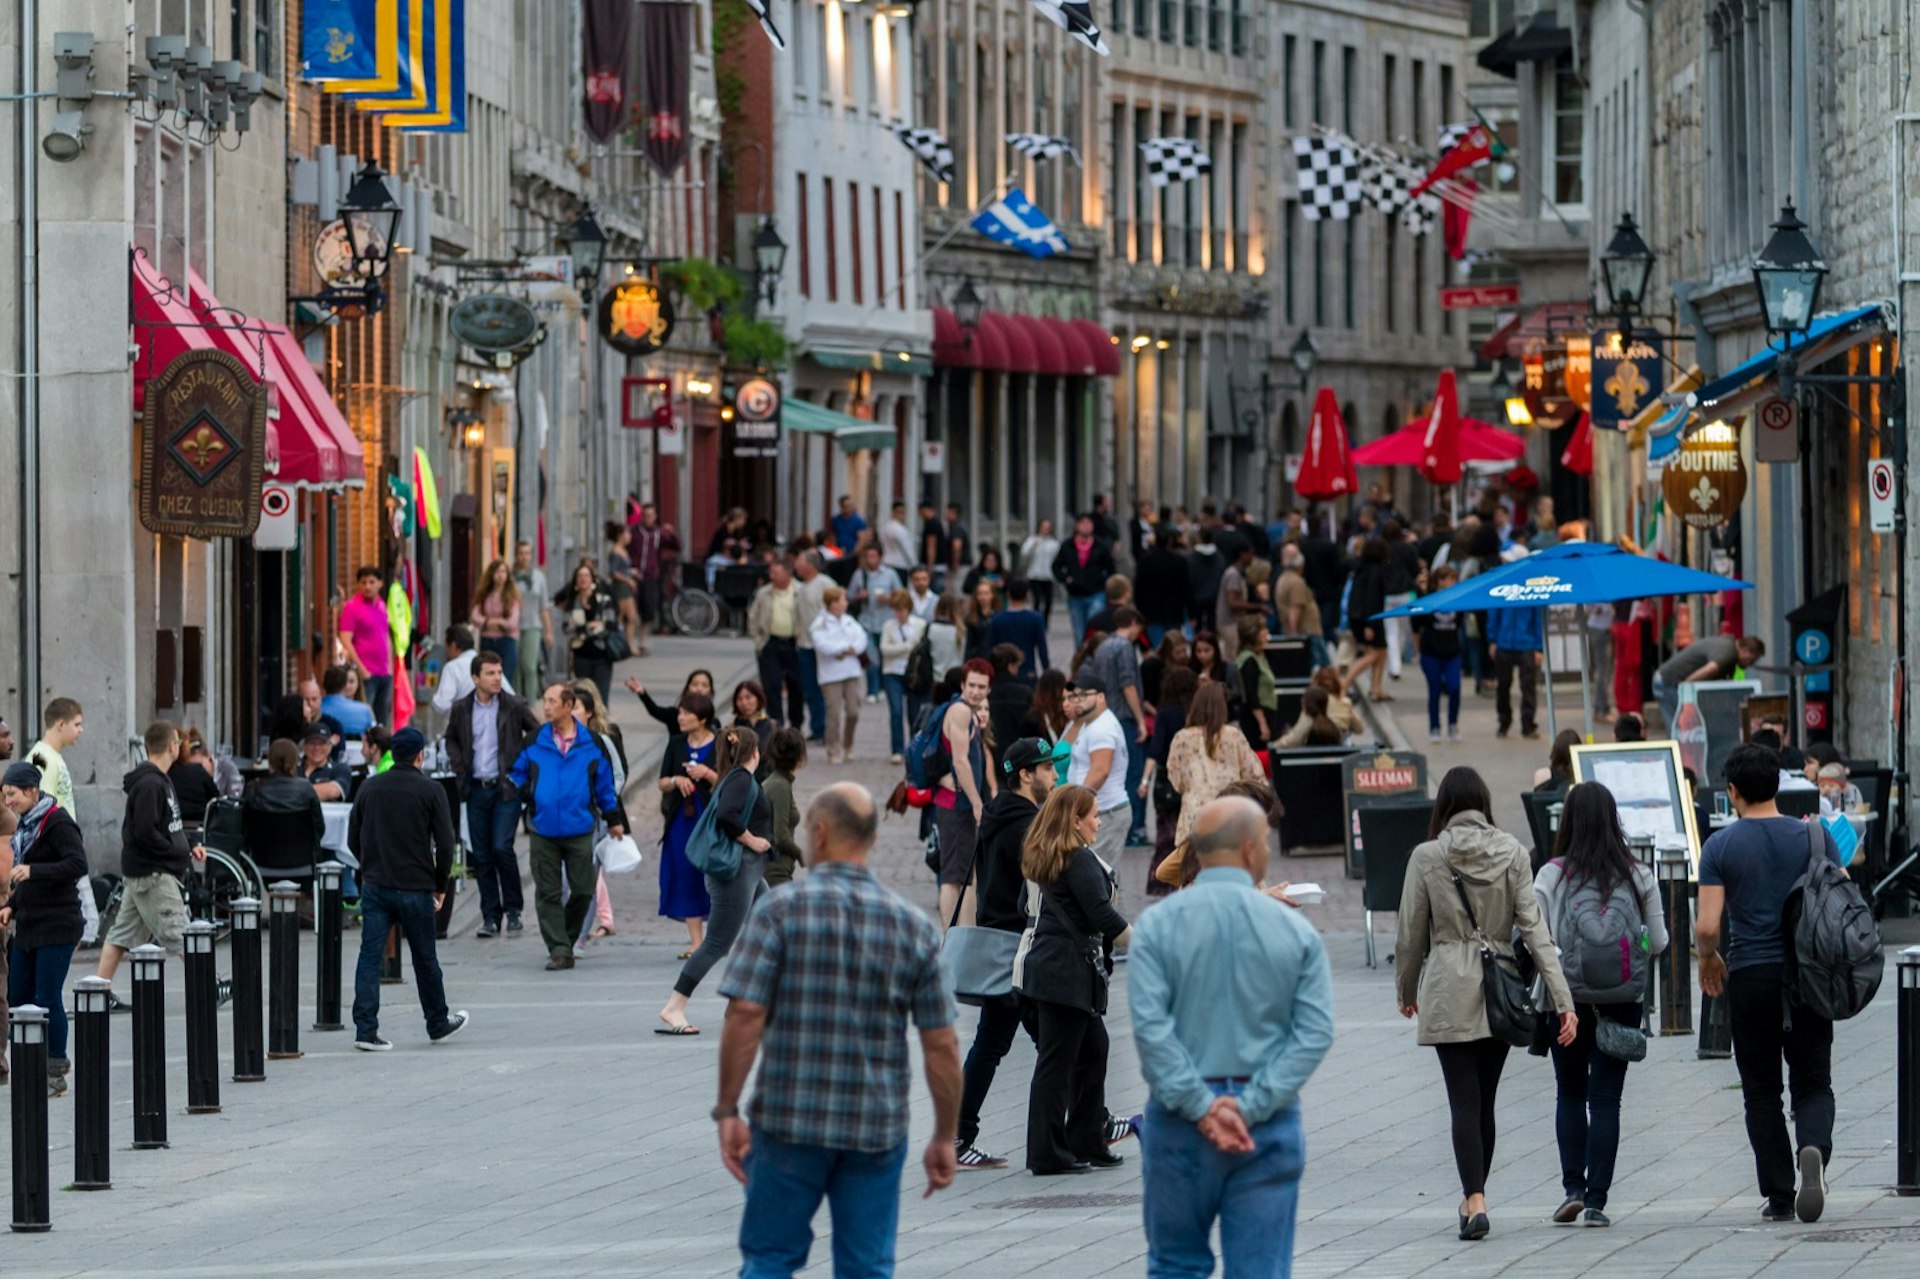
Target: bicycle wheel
point(221, 879)
point(695, 613)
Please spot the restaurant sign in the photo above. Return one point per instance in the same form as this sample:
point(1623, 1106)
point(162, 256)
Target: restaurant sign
point(1627, 377)
point(756, 420)
point(636, 317)
point(1705, 481)
point(202, 448)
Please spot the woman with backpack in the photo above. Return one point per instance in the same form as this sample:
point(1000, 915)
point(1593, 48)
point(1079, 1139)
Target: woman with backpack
point(743, 815)
point(1466, 890)
point(901, 634)
point(1601, 905)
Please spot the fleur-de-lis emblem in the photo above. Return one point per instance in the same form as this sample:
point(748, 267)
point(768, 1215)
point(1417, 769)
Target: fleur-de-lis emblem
point(1704, 494)
point(203, 446)
point(1628, 386)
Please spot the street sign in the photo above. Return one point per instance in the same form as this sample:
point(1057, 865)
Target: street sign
point(1778, 439)
point(279, 530)
point(933, 457)
point(1478, 297)
point(1881, 501)
point(1292, 465)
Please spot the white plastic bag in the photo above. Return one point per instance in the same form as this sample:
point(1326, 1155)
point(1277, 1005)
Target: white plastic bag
point(617, 856)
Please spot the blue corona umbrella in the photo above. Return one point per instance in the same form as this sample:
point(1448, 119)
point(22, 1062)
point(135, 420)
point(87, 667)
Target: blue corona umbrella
point(1570, 573)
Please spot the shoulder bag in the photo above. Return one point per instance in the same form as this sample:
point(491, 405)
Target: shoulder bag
point(1509, 1010)
point(979, 961)
point(708, 848)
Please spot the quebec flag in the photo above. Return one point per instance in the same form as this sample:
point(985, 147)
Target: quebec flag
point(1014, 221)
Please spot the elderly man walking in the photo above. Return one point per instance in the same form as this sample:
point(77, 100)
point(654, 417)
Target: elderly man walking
point(824, 980)
point(1232, 1004)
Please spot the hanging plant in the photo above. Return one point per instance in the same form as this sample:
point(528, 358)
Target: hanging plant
point(704, 285)
point(760, 344)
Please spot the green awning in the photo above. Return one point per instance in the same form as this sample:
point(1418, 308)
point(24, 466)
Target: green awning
point(849, 432)
point(904, 362)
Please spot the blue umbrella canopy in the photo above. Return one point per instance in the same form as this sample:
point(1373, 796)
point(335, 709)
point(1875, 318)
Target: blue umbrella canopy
point(1570, 573)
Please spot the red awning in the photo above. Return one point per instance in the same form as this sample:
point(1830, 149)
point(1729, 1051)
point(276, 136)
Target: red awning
point(1041, 339)
point(1101, 350)
point(1008, 343)
point(1548, 321)
point(164, 327)
point(951, 350)
point(316, 448)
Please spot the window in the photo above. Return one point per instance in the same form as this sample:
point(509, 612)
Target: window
point(1566, 141)
point(1489, 18)
point(1419, 250)
point(986, 146)
point(1288, 47)
point(954, 126)
point(899, 244)
point(1389, 95)
point(1191, 35)
point(1420, 133)
point(797, 38)
point(1289, 252)
point(1237, 152)
point(1193, 197)
point(1239, 29)
point(1167, 202)
point(1449, 109)
point(1320, 273)
point(1319, 103)
point(1216, 25)
point(1116, 188)
point(265, 43)
point(858, 251)
point(1143, 201)
point(833, 247)
point(1348, 309)
point(1072, 79)
point(824, 56)
point(805, 237)
point(1169, 21)
point(1349, 73)
point(1143, 17)
point(1390, 243)
point(1219, 192)
point(1047, 178)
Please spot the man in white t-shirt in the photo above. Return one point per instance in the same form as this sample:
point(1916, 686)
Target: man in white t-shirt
point(896, 541)
point(1099, 761)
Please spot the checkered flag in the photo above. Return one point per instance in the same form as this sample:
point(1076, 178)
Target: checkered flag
point(1452, 135)
point(1332, 177)
point(1387, 187)
point(1172, 160)
point(1042, 146)
point(1421, 214)
point(1075, 17)
point(935, 153)
point(759, 8)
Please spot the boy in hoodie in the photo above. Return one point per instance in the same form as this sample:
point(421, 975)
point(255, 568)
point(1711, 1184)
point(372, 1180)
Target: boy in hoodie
point(1030, 772)
point(154, 853)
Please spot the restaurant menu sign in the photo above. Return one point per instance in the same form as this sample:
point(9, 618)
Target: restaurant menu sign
point(1370, 777)
point(203, 435)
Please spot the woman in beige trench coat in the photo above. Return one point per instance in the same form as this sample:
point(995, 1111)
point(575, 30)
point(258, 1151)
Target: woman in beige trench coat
point(1439, 971)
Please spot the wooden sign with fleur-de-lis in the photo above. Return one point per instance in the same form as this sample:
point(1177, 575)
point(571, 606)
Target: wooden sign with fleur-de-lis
point(202, 447)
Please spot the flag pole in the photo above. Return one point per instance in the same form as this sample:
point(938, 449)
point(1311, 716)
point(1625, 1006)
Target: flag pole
point(920, 262)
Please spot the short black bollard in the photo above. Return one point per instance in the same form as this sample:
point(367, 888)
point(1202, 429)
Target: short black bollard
point(326, 936)
point(390, 965)
point(27, 1031)
point(92, 1104)
point(1673, 869)
point(203, 1021)
point(149, 1048)
point(1906, 1075)
point(249, 1047)
point(283, 1002)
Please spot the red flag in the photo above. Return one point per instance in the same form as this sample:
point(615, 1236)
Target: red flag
point(1475, 148)
point(1327, 469)
point(1440, 451)
point(1455, 214)
point(1578, 455)
point(605, 29)
point(666, 44)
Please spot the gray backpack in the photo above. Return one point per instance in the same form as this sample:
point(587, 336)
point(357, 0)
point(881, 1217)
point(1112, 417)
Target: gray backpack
point(1604, 947)
point(1834, 960)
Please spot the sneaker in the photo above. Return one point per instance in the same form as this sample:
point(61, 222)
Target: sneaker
point(1776, 1212)
point(579, 950)
point(222, 992)
point(1569, 1212)
point(488, 928)
point(1812, 1199)
point(1433, 735)
point(1118, 1129)
point(513, 922)
point(973, 1159)
point(1453, 733)
point(1500, 733)
point(115, 1004)
point(372, 1044)
point(456, 1022)
point(1594, 1217)
point(895, 759)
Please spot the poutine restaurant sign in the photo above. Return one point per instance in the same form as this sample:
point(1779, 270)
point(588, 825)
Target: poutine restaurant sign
point(1705, 481)
point(203, 448)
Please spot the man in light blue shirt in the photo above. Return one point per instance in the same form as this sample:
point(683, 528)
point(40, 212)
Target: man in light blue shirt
point(1232, 1005)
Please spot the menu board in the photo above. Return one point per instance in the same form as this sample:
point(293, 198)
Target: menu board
point(1647, 784)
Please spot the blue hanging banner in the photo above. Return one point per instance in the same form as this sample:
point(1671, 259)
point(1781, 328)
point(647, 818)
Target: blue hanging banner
point(445, 110)
point(1626, 378)
point(405, 89)
point(351, 43)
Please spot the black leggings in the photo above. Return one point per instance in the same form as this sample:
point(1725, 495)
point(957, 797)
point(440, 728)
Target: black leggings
point(1472, 1071)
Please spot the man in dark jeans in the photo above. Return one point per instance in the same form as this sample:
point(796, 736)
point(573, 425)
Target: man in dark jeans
point(1514, 639)
point(485, 733)
point(402, 832)
point(1747, 872)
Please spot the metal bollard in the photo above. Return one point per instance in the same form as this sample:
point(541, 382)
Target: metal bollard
point(1906, 1076)
point(149, 1048)
point(203, 1026)
point(283, 1002)
point(27, 1031)
point(326, 938)
point(92, 1107)
point(249, 1049)
point(390, 964)
point(1673, 870)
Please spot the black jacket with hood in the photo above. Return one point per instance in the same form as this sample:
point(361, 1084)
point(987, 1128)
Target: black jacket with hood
point(153, 837)
point(1003, 829)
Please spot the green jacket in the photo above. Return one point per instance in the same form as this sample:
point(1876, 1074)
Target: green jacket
point(786, 856)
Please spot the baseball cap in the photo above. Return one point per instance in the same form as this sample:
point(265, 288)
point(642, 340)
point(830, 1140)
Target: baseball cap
point(1028, 752)
point(407, 744)
point(1087, 682)
point(317, 732)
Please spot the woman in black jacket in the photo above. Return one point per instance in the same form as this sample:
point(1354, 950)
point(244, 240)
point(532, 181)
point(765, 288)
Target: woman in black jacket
point(1368, 597)
point(49, 858)
point(700, 681)
point(590, 622)
point(1063, 967)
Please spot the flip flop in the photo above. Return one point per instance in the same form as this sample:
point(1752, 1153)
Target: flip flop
point(676, 1030)
point(685, 954)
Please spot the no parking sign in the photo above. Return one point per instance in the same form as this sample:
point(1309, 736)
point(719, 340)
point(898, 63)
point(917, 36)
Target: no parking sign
point(1880, 495)
point(279, 519)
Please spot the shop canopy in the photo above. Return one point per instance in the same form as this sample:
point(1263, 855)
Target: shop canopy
point(165, 327)
point(1006, 343)
point(851, 433)
point(1825, 338)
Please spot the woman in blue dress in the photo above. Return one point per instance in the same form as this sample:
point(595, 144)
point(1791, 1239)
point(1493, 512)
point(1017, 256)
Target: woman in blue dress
point(686, 784)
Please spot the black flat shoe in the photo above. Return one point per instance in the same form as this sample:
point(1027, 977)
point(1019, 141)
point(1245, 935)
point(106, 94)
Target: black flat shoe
point(1071, 1170)
point(1105, 1159)
point(1475, 1227)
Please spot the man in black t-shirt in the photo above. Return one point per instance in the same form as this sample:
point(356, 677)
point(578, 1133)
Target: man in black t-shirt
point(959, 541)
point(933, 539)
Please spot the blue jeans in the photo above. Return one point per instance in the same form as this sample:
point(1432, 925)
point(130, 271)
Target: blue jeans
point(1443, 676)
point(1586, 1117)
point(873, 664)
point(816, 700)
point(1189, 1184)
point(491, 818)
point(785, 1184)
point(507, 648)
point(896, 688)
point(36, 976)
point(380, 698)
point(1136, 769)
point(381, 909)
point(1082, 607)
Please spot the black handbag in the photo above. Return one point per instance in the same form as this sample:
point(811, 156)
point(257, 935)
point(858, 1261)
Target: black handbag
point(1096, 958)
point(1509, 1006)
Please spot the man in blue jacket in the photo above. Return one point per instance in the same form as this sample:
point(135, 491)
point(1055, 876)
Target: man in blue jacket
point(1514, 640)
point(566, 783)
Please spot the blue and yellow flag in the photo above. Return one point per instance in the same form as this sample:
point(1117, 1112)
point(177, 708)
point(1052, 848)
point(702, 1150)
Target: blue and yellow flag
point(351, 45)
point(444, 76)
point(414, 40)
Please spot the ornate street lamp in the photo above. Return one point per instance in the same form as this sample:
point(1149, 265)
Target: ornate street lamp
point(769, 260)
point(967, 305)
point(1625, 269)
point(371, 216)
point(1788, 275)
point(586, 244)
point(1305, 356)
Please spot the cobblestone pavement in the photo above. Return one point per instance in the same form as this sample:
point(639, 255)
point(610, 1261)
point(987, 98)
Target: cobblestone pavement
point(559, 1137)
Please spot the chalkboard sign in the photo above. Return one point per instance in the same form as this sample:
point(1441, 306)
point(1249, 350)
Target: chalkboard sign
point(1720, 702)
point(1366, 777)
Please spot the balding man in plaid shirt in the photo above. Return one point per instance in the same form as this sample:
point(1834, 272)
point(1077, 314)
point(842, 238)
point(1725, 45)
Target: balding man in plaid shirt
point(825, 978)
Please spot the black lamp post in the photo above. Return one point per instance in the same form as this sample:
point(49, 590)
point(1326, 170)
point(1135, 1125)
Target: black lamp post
point(371, 216)
point(1625, 269)
point(967, 305)
point(586, 244)
point(769, 260)
point(1305, 356)
point(1788, 275)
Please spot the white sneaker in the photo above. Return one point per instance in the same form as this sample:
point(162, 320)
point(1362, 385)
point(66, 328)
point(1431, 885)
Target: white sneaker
point(1433, 737)
point(894, 759)
point(579, 950)
point(1453, 733)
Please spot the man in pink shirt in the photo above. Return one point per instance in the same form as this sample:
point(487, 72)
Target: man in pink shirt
point(367, 636)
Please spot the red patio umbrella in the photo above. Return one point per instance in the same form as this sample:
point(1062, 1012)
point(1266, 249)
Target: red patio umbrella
point(1477, 441)
point(1327, 469)
point(1578, 455)
point(1440, 442)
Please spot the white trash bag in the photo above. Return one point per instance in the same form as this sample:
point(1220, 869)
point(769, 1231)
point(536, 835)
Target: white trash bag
point(617, 856)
